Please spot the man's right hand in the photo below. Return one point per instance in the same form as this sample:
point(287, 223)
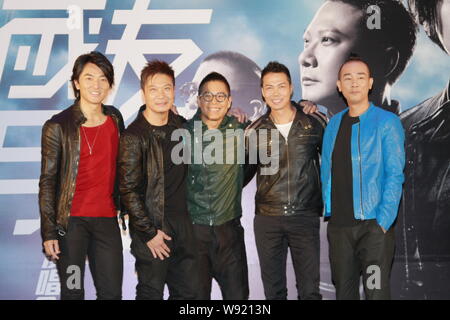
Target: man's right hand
point(51, 248)
point(238, 113)
point(157, 245)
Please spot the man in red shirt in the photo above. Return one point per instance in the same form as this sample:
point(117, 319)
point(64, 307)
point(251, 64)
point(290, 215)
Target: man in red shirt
point(78, 205)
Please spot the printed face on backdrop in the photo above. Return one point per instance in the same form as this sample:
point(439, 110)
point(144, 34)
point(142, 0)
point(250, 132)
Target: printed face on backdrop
point(159, 93)
point(277, 90)
point(328, 41)
point(246, 91)
point(92, 84)
point(214, 101)
point(444, 28)
point(355, 82)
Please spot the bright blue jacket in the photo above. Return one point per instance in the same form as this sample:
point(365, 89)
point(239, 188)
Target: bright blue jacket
point(378, 159)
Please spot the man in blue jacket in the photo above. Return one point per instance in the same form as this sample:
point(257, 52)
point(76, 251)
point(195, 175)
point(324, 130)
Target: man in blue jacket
point(362, 174)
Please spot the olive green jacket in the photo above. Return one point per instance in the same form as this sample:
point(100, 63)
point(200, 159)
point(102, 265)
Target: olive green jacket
point(215, 181)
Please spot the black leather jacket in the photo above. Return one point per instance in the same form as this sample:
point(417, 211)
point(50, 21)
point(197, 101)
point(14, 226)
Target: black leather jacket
point(59, 167)
point(141, 175)
point(295, 187)
point(424, 219)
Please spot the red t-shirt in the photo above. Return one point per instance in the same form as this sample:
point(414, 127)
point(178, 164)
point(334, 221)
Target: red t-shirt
point(96, 171)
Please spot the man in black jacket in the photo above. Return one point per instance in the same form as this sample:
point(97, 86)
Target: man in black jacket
point(288, 200)
point(422, 268)
point(153, 192)
point(77, 206)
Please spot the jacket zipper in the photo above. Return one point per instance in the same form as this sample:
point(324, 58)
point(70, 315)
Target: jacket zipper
point(211, 214)
point(205, 170)
point(60, 229)
point(360, 171)
point(308, 135)
point(113, 116)
point(76, 174)
point(161, 160)
point(317, 172)
point(288, 174)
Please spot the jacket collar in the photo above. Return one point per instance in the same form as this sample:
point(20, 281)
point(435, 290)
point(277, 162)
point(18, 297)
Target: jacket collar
point(445, 97)
point(78, 115)
point(197, 117)
point(366, 113)
point(172, 121)
point(436, 112)
point(266, 121)
point(361, 116)
point(394, 107)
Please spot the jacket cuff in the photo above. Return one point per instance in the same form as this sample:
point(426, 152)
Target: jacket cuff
point(49, 236)
point(147, 236)
point(383, 223)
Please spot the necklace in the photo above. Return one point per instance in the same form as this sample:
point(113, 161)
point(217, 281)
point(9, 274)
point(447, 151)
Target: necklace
point(292, 119)
point(87, 140)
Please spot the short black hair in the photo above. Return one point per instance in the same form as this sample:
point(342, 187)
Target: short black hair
point(352, 58)
point(96, 58)
point(213, 76)
point(425, 13)
point(275, 67)
point(156, 66)
point(398, 30)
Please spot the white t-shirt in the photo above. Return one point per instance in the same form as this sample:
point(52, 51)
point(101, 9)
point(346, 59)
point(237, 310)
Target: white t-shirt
point(284, 129)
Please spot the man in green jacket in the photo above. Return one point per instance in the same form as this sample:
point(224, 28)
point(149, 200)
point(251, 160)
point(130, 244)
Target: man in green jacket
point(214, 187)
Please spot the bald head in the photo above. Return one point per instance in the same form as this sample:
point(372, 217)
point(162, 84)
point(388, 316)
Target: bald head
point(354, 59)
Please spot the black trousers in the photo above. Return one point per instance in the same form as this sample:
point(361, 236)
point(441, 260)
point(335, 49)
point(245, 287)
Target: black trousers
point(274, 235)
point(99, 239)
point(221, 255)
point(178, 271)
point(363, 249)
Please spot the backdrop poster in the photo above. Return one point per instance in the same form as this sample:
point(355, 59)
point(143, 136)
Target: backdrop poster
point(39, 41)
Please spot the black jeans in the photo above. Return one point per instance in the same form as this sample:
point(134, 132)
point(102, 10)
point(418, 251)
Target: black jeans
point(221, 255)
point(99, 239)
point(274, 235)
point(178, 271)
point(362, 249)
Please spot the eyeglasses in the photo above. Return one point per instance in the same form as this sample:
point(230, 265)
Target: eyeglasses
point(220, 97)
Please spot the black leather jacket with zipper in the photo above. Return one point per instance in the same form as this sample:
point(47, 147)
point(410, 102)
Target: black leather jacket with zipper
point(295, 188)
point(141, 174)
point(59, 167)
